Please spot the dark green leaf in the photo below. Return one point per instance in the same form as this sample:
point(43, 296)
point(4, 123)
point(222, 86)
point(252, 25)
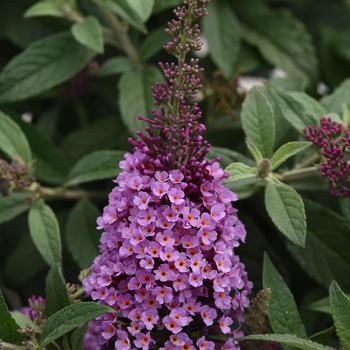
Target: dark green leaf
point(339, 97)
point(56, 292)
point(45, 232)
point(153, 43)
point(44, 64)
point(95, 166)
point(288, 339)
point(81, 235)
point(113, 66)
point(13, 205)
point(221, 29)
point(89, 34)
point(77, 338)
point(228, 156)
point(69, 318)
point(160, 5)
point(286, 209)
point(283, 313)
point(258, 121)
point(340, 305)
point(135, 95)
point(8, 326)
point(12, 140)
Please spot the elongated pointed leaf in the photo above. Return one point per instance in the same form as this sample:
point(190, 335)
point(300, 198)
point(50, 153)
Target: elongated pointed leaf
point(13, 205)
point(286, 209)
point(45, 232)
point(286, 151)
point(340, 305)
point(283, 313)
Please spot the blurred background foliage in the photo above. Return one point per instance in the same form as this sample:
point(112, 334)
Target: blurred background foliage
point(76, 74)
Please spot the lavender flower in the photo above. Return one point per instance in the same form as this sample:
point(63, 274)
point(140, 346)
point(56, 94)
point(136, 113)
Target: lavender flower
point(167, 264)
point(334, 142)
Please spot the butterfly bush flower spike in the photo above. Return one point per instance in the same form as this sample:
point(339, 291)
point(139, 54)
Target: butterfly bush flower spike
point(167, 262)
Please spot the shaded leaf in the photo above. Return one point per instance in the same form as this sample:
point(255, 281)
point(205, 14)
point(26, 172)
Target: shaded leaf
point(45, 8)
point(45, 232)
point(95, 166)
point(113, 66)
point(13, 205)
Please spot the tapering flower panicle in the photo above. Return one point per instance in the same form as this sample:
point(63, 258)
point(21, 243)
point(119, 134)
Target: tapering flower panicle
point(167, 264)
point(334, 141)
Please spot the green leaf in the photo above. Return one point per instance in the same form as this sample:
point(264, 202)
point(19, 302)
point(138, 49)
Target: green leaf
point(114, 66)
point(254, 151)
point(153, 43)
point(44, 64)
point(286, 151)
point(240, 175)
point(322, 305)
point(102, 134)
point(77, 338)
point(299, 110)
point(50, 164)
point(123, 9)
point(288, 339)
point(228, 156)
point(24, 321)
point(45, 8)
point(283, 313)
point(286, 209)
point(8, 326)
point(13, 205)
point(291, 49)
point(45, 232)
point(142, 8)
point(12, 140)
point(340, 305)
point(95, 166)
point(339, 97)
point(89, 33)
point(221, 29)
point(258, 121)
point(56, 292)
point(69, 318)
point(81, 235)
point(161, 5)
point(135, 95)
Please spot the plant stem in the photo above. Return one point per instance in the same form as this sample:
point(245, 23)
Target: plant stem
point(78, 293)
point(298, 174)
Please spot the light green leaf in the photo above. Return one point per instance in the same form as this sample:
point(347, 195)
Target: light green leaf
point(286, 209)
point(258, 121)
point(221, 29)
point(340, 96)
point(12, 140)
point(283, 313)
point(95, 166)
point(240, 175)
point(56, 292)
point(45, 8)
point(142, 8)
point(44, 64)
point(254, 151)
point(291, 49)
point(69, 318)
point(81, 235)
point(89, 34)
point(114, 66)
point(340, 305)
point(45, 232)
point(13, 205)
point(153, 43)
point(286, 151)
point(299, 109)
point(24, 321)
point(8, 326)
point(288, 339)
point(135, 95)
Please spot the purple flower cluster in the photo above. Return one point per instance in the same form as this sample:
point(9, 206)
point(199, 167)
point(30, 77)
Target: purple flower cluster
point(167, 264)
point(334, 141)
point(35, 309)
